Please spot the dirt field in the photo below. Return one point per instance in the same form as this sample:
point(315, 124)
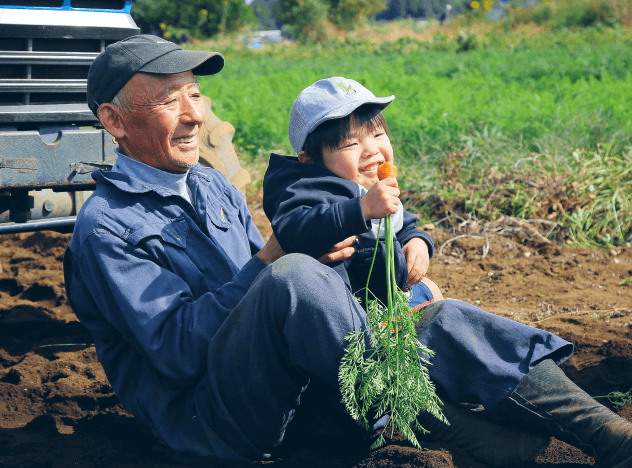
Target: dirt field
point(58, 410)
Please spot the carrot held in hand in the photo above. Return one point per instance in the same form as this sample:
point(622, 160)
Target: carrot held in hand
point(386, 170)
point(391, 377)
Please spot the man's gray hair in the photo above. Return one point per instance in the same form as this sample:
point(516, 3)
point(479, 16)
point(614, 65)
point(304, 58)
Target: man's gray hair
point(121, 100)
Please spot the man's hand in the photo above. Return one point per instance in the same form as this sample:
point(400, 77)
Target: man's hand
point(340, 251)
point(417, 260)
point(271, 252)
point(381, 200)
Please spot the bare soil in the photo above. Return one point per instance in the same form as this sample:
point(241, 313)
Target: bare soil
point(58, 410)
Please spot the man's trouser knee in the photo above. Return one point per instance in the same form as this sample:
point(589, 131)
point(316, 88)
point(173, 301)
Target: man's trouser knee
point(289, 327)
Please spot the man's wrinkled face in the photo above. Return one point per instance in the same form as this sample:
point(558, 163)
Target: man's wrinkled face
point(163, 124)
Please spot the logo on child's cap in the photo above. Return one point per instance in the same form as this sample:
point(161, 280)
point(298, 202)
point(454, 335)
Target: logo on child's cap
point(346, 89)
point(324, 100)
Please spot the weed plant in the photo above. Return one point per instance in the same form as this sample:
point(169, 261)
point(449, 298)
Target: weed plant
point(588, 196)
point(618, 399)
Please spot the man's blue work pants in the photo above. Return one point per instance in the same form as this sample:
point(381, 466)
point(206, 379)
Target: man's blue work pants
point(289, 328)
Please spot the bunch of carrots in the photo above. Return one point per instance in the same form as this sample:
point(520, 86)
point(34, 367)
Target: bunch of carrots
point(383, 368)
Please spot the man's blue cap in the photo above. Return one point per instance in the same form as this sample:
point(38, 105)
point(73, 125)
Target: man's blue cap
point(332, 98)
point(143, 53)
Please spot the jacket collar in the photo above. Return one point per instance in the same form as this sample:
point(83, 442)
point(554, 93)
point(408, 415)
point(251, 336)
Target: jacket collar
point(133, 176)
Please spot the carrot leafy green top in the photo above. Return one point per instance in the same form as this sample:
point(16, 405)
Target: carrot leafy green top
point(390, 377)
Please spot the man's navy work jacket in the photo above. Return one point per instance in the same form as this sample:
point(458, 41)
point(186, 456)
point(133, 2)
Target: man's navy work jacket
point(153, 278)
point(311, 209)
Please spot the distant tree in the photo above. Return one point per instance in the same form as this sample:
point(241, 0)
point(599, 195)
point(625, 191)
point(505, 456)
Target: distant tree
point(343, 13)
point(199, 17)
point(265, 11)
point(347, 13)
point(305, 19)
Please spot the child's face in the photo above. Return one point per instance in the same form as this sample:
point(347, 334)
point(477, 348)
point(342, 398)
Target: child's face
point(357, 157)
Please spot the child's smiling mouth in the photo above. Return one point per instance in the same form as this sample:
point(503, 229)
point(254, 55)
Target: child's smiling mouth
point(370, 169)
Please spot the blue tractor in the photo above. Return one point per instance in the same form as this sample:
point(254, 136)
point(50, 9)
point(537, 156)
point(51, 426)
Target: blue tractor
point(50, 142)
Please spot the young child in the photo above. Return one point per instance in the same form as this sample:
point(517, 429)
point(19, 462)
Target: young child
point(331, 190)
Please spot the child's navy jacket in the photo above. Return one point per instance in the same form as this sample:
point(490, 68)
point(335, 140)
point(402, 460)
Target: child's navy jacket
point(311, 209)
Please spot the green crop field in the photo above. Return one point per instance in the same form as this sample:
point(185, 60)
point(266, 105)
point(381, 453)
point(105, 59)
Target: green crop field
point(497, 107)
point(442, 97)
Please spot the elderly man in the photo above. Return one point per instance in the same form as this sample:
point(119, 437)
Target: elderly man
point(209, 336)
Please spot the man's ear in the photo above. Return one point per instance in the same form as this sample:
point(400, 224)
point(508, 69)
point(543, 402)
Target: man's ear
point(110, 117)
point(302, 157)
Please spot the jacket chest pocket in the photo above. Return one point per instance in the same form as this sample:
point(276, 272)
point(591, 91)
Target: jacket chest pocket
point(224, 210)
point(173, 232)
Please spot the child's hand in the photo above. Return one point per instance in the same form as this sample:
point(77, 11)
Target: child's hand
point(381, 200)
point(417, 260)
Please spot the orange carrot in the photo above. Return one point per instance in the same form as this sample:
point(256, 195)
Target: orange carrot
point(385, 170)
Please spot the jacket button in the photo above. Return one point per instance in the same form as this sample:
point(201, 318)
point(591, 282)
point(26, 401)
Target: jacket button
point(221, 212)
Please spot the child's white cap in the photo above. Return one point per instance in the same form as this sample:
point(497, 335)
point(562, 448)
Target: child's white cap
point(328, 99)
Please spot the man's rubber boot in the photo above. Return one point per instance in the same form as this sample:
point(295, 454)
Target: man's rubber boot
point(546, 397)
point(487, 441)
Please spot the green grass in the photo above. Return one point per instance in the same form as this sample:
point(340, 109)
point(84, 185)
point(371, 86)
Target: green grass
point(499, 106)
